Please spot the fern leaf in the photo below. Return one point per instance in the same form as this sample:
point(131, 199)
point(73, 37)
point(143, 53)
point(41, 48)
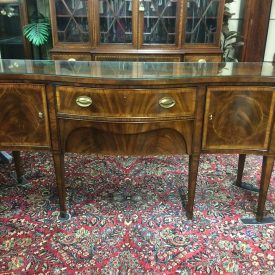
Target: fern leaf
point(37, 33)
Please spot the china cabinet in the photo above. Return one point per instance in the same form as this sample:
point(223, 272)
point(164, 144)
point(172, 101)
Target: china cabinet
point(136, 30)
point(13, 16)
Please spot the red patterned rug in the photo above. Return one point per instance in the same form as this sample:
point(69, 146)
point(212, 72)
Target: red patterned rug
point(127, 218)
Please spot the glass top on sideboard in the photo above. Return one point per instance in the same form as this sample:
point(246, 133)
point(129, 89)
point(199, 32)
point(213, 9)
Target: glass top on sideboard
point(134, 70)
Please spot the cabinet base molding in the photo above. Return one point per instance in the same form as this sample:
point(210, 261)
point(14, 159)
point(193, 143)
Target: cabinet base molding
point(247, 186)
point(253, 221)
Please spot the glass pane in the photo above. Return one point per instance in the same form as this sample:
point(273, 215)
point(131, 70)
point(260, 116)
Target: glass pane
point(160, 21)
point(11, 42)
point(234, 25)
point(72, 20)
point(115, 21)
point(201, 21)
point(136, 70)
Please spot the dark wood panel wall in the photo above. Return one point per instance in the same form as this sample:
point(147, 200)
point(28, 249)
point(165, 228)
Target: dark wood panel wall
point(256, 21)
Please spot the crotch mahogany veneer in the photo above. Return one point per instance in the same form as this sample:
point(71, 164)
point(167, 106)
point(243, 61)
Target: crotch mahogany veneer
point(126, 108)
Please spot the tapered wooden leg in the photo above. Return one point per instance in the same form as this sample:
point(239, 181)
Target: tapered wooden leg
point(267, 168)
point(240, 169)
point(18, 166)
point(192, 182)
point(58, 159)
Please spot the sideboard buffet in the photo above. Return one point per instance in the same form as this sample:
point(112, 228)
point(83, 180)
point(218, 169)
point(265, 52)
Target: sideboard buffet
point(135, 108)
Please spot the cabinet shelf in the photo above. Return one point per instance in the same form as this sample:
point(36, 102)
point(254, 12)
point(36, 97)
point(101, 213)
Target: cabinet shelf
point(69, 16)
point(198, 18)
point(11, 40)
point(161, 17)
point(112, 17)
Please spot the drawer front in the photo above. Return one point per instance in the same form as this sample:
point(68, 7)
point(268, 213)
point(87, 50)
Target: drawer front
point(127, 103)
point(71, 57)
point(138, 57)
point(127, 138)
point(202, 58)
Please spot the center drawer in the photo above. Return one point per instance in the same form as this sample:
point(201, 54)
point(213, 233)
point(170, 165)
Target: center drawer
point(126, 103)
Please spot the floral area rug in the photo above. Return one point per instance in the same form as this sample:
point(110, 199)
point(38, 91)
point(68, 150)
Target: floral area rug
point(127, 218)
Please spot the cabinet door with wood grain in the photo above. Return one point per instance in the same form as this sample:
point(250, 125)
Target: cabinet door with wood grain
point(238, 117)
point(23, 116)
point(118, 137)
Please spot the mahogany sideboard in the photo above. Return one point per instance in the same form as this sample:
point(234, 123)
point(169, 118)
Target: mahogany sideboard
point(128, 108)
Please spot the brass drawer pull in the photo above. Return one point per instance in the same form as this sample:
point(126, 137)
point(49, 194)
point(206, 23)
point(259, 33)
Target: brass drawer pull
point(84, 101)
point(167, 102)
point(72, 59)
point(202, 60)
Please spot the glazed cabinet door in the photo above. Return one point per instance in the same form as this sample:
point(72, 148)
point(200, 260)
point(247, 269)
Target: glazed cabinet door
point(70, 22)
point(116, 22)
point(23, 116)
point(238, 117)
point(159, 23)
point(138, 23)
point(13, 16)
point(203, 22)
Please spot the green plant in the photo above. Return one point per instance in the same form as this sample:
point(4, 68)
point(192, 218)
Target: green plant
point(37, 33)
point(230, 40)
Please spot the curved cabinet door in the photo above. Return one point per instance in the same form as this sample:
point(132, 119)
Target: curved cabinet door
point(143, 137)
point(238, 117)
point(23, 116)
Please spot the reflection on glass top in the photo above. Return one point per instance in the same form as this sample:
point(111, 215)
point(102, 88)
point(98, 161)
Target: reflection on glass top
point(134, 70)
